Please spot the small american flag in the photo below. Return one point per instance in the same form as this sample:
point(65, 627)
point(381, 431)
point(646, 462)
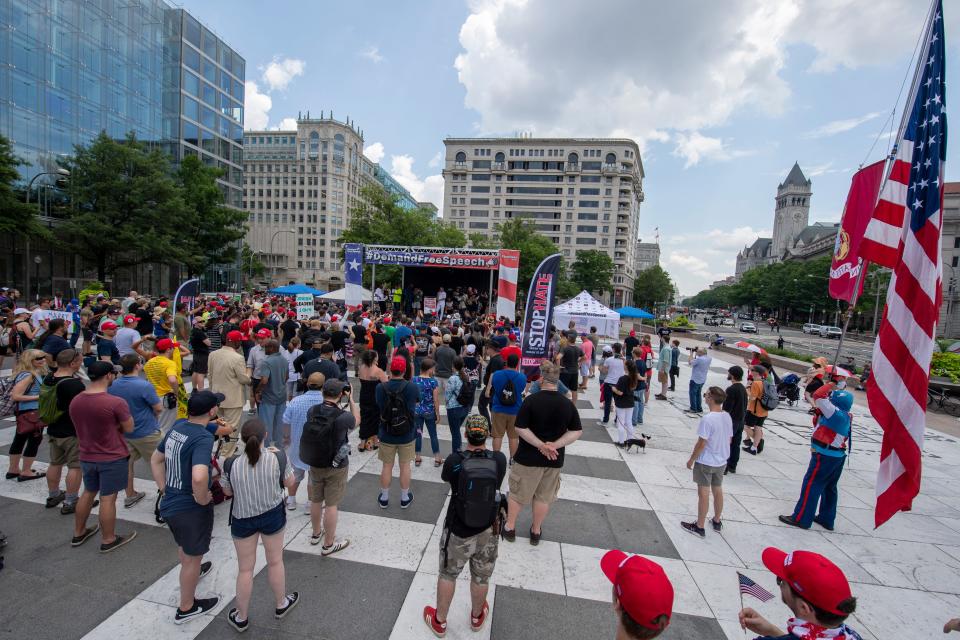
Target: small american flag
point(751, 588)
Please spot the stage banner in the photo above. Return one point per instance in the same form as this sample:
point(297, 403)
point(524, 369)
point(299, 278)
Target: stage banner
point(353, 264)
point(847, 262)
point(430, 305)
point(415, 258)
point(539, 311)
point(187, 293)
point(305, 309)
point(507, 284)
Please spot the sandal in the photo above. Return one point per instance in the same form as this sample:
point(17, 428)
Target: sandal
point(437, 462)
point(417, 462)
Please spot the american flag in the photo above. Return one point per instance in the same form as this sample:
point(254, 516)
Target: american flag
point(904, 234)
point(751, 588)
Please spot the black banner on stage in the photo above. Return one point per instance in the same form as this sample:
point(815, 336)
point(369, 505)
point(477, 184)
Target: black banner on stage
point(539, 312)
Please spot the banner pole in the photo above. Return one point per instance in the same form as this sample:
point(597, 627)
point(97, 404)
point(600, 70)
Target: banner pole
point(373, 285)
point(490, 295)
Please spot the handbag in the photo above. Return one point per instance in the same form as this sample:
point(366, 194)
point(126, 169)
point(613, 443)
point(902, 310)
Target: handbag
point(29, 423)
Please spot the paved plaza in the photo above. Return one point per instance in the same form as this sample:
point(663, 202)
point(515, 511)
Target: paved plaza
point(906, 575)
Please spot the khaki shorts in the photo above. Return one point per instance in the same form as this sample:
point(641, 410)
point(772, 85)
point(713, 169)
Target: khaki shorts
point(534, 483)
point(503, 423)
point(707, 476)
point(479, 550)
point(662, 376)
point(232, 417)
point(65, 451)
point(327, 485)
point(143, 447)
point(388, 452)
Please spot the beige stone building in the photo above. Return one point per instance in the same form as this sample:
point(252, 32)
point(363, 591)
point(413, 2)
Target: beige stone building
point(949, 322)
point(581, 193)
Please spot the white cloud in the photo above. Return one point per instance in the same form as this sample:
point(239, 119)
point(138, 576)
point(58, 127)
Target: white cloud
point(436, 160)
point(281, 71)
point(428, 189)
point(694, 147)
point(374, 151)
point(695, 260)
point(256, 107)
point(287, 124)
point(372, 54)
point(689, 263)
point(834, 127)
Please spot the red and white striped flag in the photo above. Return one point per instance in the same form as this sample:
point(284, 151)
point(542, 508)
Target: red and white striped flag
point(904, 234)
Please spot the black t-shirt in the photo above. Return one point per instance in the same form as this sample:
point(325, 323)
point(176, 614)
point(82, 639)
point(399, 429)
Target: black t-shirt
point(456, 343)
point(451, 474)
point(626, 400)
point(339, 340)
point(197, 336)
point(288, 328)
point(67, 389)
point(570, 358)
point(736, 402)
point(548, 415)
point(628, 345)
point(381, 342)
point(495, 364)
point(359, 334)
point(328, 368)
point(144, 321)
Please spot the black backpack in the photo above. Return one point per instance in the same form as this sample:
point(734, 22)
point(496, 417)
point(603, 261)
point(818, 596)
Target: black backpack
point(396, 416)
point(507, 396)
point(318, 446)
point(478, 490)
point(465, 395)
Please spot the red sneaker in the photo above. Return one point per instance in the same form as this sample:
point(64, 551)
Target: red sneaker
point(476, 622)
point(430, 619)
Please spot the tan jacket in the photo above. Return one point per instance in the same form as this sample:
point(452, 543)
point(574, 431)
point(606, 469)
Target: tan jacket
point(227, 374)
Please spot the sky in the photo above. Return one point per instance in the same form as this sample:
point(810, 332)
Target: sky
point(722, 97)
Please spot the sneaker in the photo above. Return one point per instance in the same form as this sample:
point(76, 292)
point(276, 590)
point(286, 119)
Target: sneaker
point(717, 525)
point(119, 542)
point(339, 545)
point(750, 450)
point(316, 538)
point(384, 502)
point(291, 503)
point(476, 622)
point(406, 503)
point(760, 446)
point(691, 527)
point(430, 619)
point(129, 501)
point(292, 600)
point(200, 607)
point(205, 568)
point(76, 541)
point(252, 412)
point(236, 624)
point(53, 501)
point(306, 508)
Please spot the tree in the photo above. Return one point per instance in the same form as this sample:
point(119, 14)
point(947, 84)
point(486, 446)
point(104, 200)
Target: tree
point(250, 263)
point(520, 234)
point(592, 270)
point(210, 229)
point(18, 217)
point(652, 285)
point(127, 208)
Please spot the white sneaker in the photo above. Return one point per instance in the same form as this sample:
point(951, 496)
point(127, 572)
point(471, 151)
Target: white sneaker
point(306, 508)
point(291, 503)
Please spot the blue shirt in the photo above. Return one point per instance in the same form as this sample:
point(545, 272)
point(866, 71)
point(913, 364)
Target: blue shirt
point(183, 447)
point(106, 347)
point(411, 394)
point(295, 415)
point(54, 345)
point(499, 381)
point(401, 335)
point(32, 390)
point(141, 398)
point(700, 366)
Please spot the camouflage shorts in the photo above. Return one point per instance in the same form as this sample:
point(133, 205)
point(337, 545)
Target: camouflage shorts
point(479, 550)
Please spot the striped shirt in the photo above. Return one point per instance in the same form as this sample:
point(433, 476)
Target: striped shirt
point(256, 489)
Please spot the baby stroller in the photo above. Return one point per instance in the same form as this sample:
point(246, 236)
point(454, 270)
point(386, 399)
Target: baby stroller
point(789, 389)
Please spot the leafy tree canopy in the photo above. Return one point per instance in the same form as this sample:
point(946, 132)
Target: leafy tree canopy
point(652, 285)
point(592, 271)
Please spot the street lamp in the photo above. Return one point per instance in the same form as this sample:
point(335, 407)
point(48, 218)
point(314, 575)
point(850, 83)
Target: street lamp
point(272, 238)
point(150, 279)
point(36, 261)
point(63, 173)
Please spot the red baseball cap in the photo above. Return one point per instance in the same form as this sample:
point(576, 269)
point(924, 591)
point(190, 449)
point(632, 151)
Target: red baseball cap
point(643, 589)
point(291, 314)
point(109, 326)
point(164, 343)
point(129, 319)
point(398, 364)
point(162, 303)
point(811, 576)
point(633, 333)
point(264, 333)
point(234, 336)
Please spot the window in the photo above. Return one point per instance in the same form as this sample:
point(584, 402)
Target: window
point(956, 242)
point(586, 228)
point(589, 192)
point(587, 241)
point(955, 261)
point(461, 157)
point(611, 158)
point(589, 204)
point(479, 225)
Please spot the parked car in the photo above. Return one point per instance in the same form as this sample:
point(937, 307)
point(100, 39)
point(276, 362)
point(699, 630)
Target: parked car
point(811, 328)
point(727, 322)
point(748, 327)
point(711, 321)
point(830, 332)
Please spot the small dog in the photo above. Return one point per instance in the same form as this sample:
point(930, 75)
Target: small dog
point(640, 443)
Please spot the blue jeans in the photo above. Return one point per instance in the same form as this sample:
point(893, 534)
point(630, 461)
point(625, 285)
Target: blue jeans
point(272, 416)
point(819, 485)
point(607, 400)
point(455, 417)
point(416, 365)
point(696, 401)
point(431, 422)
point(638, 406)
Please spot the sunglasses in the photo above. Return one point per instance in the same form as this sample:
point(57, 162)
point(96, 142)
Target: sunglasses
point(39, 358)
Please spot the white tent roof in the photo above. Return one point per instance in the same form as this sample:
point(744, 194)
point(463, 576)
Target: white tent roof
point(340, 295)
point(585, 304)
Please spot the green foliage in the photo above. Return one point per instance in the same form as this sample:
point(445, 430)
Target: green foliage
point(786, 353)
point(650, 286)
point(18, 217)
point(250, 262)
point(93, 288)
point(681, 322)
point(946, 365)
point(592, 271)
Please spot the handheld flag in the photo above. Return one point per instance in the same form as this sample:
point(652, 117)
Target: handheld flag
point(751, 588)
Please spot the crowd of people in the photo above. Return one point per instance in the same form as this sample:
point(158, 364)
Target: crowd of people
point(109, 389)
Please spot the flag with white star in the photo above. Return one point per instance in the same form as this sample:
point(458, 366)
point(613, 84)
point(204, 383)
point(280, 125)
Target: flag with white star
point(353, 276)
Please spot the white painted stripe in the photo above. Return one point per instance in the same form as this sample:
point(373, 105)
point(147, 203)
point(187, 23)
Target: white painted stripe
point(883, 233)
point(889, 382)
point(919, 264)
point(509, 274)
point(890, 469)
point(902, 320)
point(895, 192)
point(905, 150)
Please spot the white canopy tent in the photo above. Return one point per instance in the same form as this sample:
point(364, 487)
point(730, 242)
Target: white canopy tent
point(340, 295)
point(586, 311)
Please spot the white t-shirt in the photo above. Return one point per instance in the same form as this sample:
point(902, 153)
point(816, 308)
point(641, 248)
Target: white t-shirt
point(716, 428)
point(614, 369)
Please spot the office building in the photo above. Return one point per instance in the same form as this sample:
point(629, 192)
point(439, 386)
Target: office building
point(71, 69)
point(948, 325)
point(581, 193)
point(404, 198)
point(646, 255)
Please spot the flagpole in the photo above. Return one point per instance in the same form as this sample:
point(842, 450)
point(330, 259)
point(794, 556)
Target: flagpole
point(742, 606)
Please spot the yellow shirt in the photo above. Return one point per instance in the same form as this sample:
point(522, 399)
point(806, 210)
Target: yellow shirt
point(158, 371)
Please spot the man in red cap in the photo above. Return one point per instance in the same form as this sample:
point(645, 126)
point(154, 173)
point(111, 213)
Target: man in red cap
point(254, 360)
point(163, 373)
point(817, 593)
point(127, 335)
point(227, 374)
point(397, 400)
point(642, 595)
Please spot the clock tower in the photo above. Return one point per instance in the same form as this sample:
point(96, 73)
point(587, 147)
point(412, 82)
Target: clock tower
point(792, 211)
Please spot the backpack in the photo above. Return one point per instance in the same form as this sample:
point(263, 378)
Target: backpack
point(47, 409)
point(317, 445)
point(507, 396)
point(770, 398)
point(478, 491)
point(395, 414)
point(465, 395)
